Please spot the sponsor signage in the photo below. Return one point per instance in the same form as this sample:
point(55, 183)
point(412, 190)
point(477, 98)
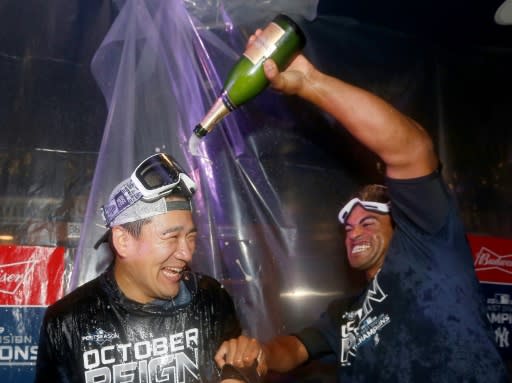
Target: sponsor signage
point(19, 335)
point(31, 278)
point(492, 258)
point(30, 275)
point(499, 312)
point(493, 265)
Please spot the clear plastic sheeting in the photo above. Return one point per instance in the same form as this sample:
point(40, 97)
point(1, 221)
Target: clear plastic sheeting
point(160, 68)
point(243, 12)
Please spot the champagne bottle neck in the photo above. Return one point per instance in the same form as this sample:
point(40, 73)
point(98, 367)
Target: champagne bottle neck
point(227, 101)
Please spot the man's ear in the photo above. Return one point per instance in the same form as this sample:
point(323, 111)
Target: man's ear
point(121, 240)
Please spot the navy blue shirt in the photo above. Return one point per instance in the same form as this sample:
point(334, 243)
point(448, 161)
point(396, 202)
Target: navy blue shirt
point(421, 318)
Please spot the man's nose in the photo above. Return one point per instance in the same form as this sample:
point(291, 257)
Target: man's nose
point(184, 251)
point(355, 232)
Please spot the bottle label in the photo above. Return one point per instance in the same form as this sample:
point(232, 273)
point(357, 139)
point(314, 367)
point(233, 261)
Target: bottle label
point(265, 43)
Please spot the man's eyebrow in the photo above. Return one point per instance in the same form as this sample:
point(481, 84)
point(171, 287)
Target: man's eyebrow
point(174, 229)
point(367, 217)
point(193, 230)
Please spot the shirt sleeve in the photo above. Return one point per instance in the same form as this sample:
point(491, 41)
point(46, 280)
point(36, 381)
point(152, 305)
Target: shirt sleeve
point(314, 341)
point(424, 201)
point(322, 337)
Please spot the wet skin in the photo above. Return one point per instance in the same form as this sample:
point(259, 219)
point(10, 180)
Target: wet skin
point(367, 239)
point(150, 267)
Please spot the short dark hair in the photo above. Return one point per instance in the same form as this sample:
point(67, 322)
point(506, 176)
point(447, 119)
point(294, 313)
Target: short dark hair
point(135, 227)
point(373, 192)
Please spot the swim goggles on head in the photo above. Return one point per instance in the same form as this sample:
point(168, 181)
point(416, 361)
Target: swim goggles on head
point(154, 178)
point(379, 207)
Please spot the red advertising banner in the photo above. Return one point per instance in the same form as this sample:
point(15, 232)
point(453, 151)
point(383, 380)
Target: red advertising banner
point(492, 258)
point(493, 265)
point(31, 275)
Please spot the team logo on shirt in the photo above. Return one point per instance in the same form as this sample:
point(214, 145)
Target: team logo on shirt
point(100, 336)
point(359, 326)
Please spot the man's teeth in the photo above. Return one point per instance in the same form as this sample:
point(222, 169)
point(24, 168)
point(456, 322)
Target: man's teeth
point(174, 270)
point(360, 248)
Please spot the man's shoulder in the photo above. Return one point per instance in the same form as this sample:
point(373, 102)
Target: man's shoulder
point(75, 300)
point(425, 203)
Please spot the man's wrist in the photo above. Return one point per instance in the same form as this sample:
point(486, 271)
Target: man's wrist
point(243, 374)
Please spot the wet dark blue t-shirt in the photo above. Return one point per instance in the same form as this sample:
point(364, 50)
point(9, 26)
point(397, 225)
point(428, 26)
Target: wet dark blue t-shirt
point(421, 318)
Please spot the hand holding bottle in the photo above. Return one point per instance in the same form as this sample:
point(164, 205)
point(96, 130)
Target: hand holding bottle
point(293, 79)
point(281, 40)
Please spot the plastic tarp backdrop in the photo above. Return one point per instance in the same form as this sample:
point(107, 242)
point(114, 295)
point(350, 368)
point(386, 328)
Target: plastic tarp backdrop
point(160, 67)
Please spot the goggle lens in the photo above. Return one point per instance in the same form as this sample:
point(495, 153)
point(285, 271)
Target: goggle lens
point(155, 173)
point(158, 175)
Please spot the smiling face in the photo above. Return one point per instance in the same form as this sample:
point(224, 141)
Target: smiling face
point(367, 239)
point(150, 267)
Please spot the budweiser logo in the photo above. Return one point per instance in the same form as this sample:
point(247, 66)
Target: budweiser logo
point(30, 275)
point(487, 259)
point(12, 275)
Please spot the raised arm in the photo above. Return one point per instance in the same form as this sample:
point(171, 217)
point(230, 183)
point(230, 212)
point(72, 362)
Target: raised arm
point(403, 145)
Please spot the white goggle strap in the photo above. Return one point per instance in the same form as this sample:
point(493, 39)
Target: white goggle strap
point(189, 184)
point(367, 205)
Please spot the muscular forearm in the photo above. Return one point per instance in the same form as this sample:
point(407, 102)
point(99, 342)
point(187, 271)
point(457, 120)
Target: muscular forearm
point(284, 353)
point(400, 142)
point(281, 354)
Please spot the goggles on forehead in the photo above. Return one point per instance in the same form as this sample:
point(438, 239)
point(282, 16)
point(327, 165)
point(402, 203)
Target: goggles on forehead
point(158, 175)
point(378, 207)
point(155, 177)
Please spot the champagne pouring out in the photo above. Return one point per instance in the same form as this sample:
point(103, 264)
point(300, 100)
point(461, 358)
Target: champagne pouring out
point(193, 145)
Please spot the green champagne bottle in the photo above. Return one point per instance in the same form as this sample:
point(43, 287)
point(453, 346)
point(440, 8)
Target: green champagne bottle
point(281, 40)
